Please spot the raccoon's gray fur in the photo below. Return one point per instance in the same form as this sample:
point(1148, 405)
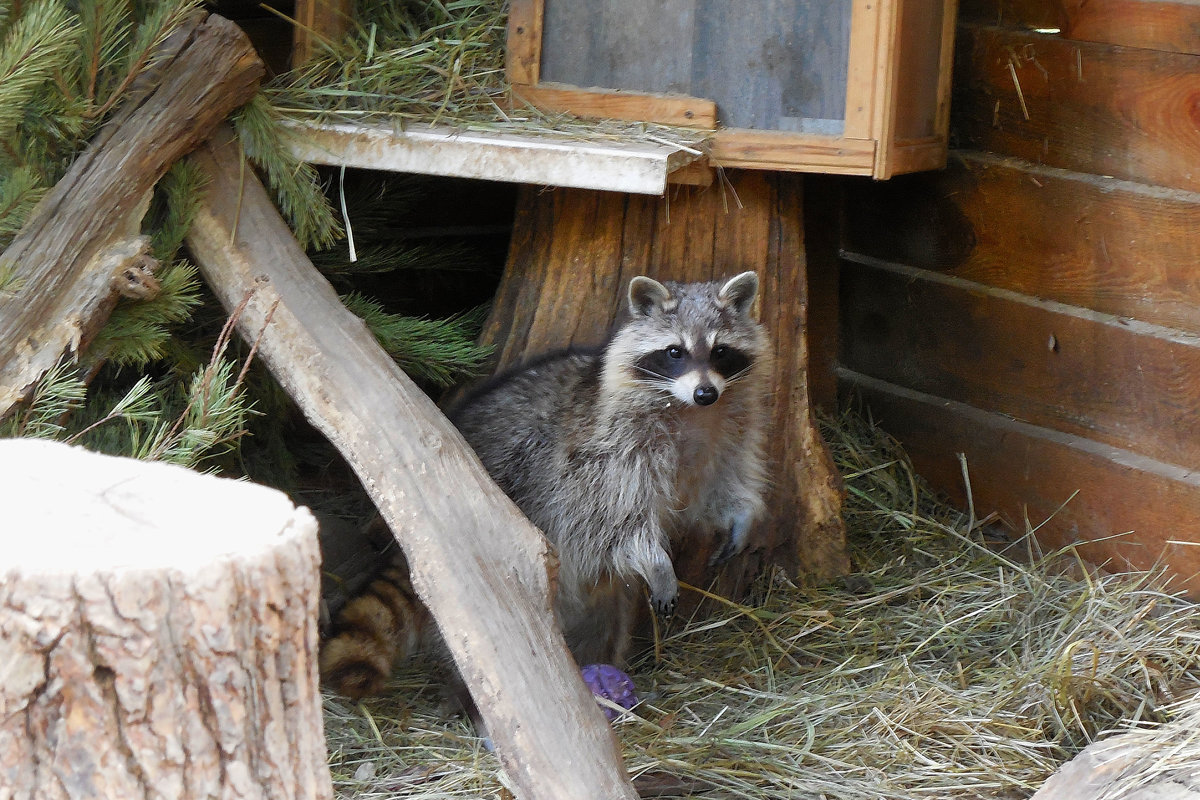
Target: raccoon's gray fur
point(615, 455)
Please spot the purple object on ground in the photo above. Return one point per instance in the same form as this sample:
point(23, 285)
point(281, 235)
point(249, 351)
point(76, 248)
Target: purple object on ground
point(608, 682)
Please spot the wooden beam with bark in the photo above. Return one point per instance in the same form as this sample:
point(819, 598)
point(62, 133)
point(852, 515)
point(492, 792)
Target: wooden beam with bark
point(481, 568)
point(71, 255)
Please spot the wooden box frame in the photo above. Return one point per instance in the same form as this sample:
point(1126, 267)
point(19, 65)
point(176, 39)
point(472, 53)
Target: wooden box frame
point(878, 92)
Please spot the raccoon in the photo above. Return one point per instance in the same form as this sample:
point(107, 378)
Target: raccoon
point(618, 455)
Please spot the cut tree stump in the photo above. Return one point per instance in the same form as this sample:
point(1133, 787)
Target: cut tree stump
point(73, 254)
point(573, 254)
point(478, 565)
point(157, 633)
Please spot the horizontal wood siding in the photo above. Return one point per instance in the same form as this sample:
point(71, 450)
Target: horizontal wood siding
point(1036, 305)
point(1095, 108)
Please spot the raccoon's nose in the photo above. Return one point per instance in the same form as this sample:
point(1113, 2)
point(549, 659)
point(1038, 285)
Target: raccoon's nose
point(705, 395)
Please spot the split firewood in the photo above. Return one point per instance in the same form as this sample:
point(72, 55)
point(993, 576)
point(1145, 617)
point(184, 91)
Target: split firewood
point(81, 249)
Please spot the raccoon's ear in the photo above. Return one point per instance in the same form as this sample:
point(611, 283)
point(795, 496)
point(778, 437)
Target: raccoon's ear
point(740, 291)
point(647, 295)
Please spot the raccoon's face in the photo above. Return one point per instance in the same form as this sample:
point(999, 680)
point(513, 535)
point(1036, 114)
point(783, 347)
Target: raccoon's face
point(691, 341)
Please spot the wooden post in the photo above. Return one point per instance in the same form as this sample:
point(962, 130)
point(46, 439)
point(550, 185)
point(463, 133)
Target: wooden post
point(476, 562)
point(572, 256)
point(157, 633)
point(72, 255)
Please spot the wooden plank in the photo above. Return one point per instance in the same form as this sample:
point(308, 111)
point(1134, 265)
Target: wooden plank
point(319, 21)
point(479, 566)
point(1130, 251)
point(668, 109)
point(1124, 383)
point(1076, 490)
point(865, 33)
point(438, 150)
point(1093, 108)
point(733, 147)
point(1152, 24)
point(524, 43)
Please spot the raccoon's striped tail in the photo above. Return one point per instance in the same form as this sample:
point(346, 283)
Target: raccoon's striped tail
point(373, 631)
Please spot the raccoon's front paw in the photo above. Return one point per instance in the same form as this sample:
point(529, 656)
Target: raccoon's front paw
point(664, 591)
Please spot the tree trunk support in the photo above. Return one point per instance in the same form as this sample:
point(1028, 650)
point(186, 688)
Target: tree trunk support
point(477, 563)
point(572, 257)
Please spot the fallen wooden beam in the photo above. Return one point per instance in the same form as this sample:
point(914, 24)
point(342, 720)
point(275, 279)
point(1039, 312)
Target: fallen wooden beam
point(83, 236)
point(477, 563)
point(642, 168)
point(157, 632)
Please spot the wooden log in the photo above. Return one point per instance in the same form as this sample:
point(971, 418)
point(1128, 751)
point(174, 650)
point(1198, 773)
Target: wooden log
point(477, 563)
point(71, 254)
point(572, 256)
point(157, 633)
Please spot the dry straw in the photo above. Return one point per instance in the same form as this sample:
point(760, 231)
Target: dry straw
point(953, 666)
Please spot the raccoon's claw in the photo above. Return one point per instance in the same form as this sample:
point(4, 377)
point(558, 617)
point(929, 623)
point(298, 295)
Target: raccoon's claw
point(664, 607)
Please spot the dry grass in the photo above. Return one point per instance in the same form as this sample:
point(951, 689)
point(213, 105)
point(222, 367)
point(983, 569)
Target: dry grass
point(954, 671)
point(439, 62)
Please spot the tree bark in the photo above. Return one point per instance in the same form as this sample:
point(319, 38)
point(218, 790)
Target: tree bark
point(477, 563)
point(71, 254)
point(573, 254)
point(157, 633)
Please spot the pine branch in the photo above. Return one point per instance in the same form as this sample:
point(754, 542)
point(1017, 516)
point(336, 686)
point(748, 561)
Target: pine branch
point(59, 392)
point(20, 191)
point(295, 184)
point(440, 351)
point(137, 331)
point(176, 200)
point(41, 42)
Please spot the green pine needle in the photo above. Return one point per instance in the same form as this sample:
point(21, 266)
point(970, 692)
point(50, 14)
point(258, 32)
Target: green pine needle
point(440, 351)
point(137, 332)
point(20, 191)
point(59, 392)
point(40, 44)
point(295, 184)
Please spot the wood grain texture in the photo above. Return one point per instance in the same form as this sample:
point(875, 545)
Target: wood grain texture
point(572, 257)
point(68, 251)
point(1126, 385)
point(1087, 107)
point(667, 109)
point(159, 634)
point(1122, 509)
point(524, 43)
point(479, 566)
point(319, 23)
point(1150, 24)
point(747, 149)
point(1097, 243)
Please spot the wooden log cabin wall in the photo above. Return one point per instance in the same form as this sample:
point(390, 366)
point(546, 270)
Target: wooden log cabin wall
point(1036, 306)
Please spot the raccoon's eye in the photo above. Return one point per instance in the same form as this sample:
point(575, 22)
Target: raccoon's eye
point(719, 351)
point(675, 351)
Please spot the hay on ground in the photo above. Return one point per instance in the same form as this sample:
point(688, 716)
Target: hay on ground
point(947, 669)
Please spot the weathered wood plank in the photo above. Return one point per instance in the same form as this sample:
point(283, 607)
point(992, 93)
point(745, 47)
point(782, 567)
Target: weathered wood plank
point(479, 566)
point(1152, 24)
point(1113, 246)
point(70, 251)
point(515, 158)
point(1125, 509)
point(318, 22)
point(1126, 384)
point(668, 109)
point(1092, 108)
